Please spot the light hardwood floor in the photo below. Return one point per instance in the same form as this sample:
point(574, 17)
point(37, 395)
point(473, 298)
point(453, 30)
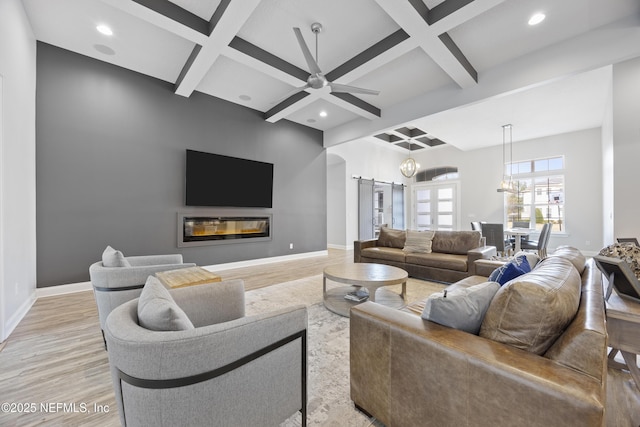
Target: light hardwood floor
point(56, 360)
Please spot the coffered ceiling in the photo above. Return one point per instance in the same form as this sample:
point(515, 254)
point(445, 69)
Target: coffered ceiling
point(434, 62)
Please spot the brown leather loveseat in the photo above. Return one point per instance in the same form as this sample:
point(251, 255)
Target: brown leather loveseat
point(407, 371)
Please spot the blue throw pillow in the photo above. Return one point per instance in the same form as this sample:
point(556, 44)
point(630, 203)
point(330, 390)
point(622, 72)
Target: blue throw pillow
point(514, 268)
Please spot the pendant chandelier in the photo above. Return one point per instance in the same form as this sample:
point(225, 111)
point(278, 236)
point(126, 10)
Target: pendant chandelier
point(507, 185)
point(409, 167)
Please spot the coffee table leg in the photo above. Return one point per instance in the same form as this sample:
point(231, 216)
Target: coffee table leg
point(404, 291)
point(372, 294)
point(324, 288)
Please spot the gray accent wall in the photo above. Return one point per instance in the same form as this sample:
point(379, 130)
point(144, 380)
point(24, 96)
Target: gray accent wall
point(110, 168)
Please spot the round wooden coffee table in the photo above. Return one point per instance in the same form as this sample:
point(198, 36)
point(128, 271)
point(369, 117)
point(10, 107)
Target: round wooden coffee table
point(358, 276)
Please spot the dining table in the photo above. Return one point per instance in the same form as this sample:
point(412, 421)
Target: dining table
point(518, 232)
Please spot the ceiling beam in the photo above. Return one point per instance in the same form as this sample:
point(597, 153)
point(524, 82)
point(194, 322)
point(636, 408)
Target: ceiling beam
point(224, 25)
point(368, 55)
point(261, 55)
point(176, 13)
point(291, 105)
point(154, 17)
point(428, 28)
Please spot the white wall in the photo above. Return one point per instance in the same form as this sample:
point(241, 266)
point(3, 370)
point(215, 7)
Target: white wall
point(480, 172)
point(608, 171)
point(17, 160)
point(368, 160)
point(626, 149)
point(336, 202)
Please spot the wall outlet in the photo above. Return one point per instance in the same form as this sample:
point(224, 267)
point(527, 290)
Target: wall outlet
point(290, 245)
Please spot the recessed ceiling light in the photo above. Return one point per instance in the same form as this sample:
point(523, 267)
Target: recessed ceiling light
point(245, 97)
point(104, 30)
point(537, 18)
point(104, 49)
point(323, 114)
point(311, 120)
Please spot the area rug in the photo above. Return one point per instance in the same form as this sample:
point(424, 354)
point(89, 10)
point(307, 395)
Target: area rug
point(328, 346)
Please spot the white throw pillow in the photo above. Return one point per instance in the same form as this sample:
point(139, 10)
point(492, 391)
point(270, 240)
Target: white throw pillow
point(158, 311)
point(113, 258)
point(461, 308)
point(419, 241)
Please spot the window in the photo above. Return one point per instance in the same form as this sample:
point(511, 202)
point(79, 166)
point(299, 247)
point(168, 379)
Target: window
point(539, 193)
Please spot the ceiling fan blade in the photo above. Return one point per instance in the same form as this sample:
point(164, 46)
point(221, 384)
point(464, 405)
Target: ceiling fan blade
point(335, 87)
point(291, 93)
point(311, 63)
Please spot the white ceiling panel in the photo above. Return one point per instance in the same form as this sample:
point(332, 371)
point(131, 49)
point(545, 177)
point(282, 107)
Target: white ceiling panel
point(349, 27)
point(392, 79)
point(310, 115)
point(503, 33)
point(229, 80)
point(136, 45)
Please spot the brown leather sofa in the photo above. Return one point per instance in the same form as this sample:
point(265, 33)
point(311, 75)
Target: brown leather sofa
point(452, 258)
point(406, 371)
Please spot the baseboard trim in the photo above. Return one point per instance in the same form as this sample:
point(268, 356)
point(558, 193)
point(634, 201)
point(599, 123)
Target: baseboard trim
point(263, 261)
point(70, 288)
point(341, 247)
point(17, 317)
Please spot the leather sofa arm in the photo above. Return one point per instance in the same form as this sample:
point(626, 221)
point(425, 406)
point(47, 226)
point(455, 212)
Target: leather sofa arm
point(483, 252)
point(359, 245)
point(405, 370)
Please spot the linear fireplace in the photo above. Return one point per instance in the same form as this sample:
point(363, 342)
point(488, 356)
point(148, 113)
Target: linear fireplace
point(200, 230)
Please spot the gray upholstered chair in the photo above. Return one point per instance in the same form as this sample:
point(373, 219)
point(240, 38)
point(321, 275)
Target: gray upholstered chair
point(228, 370)
point(115, 285)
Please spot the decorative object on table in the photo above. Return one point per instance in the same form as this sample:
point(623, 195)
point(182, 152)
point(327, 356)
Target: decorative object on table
point(628, 252)
point(358, 296)
point(633, 240)
point(187, 277)
point(619, 276)
point(507, 185)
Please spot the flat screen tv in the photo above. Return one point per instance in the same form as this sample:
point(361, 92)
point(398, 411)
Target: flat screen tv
point(216, 180)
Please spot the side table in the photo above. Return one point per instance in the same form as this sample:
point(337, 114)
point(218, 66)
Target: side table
point(623, 323)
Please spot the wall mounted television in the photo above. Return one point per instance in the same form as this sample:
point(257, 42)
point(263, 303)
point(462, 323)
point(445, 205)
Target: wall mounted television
point(217, 180)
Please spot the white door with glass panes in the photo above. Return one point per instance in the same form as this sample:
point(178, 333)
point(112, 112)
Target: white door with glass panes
point(435, 206)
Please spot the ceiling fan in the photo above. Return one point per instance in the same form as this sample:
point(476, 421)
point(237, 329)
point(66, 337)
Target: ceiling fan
point(317, 80)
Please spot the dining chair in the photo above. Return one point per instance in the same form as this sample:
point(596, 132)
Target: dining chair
point(494, 234)
point(539, 245)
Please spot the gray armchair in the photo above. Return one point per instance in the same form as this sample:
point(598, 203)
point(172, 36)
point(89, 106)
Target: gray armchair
point(113, 286)
point(229, 370)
